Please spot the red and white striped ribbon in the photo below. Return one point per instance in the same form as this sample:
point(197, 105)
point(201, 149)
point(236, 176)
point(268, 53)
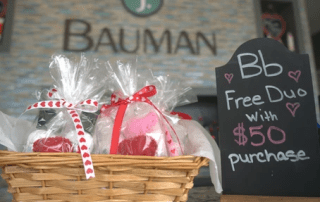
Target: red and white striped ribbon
point(87, 106)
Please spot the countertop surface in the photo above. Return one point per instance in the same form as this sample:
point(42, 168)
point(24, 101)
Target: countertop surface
point(203, 194)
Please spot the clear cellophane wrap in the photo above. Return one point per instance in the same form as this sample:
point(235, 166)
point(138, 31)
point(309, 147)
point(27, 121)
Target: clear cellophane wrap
point(147, 127)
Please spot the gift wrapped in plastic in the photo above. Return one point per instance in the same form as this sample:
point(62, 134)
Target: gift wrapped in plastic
point(7, 126)
point(138, 119)
point(58, 120)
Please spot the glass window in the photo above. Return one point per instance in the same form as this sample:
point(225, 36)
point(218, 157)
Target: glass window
point(3, 10)
point(6, 17)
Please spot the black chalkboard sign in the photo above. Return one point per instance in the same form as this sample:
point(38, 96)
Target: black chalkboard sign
point(268, 130)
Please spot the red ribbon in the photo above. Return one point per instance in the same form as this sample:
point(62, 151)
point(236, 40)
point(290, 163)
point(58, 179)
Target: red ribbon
point(140, 96)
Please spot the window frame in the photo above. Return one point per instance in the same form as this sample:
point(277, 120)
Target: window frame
point(7, 28)
point(297, 20)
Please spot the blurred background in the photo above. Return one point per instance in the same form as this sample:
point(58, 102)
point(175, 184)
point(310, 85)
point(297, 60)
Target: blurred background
point(186, 39)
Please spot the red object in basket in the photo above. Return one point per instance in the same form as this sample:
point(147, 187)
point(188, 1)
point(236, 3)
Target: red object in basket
point(182, 115)
point(137, 146)
point(52, 144)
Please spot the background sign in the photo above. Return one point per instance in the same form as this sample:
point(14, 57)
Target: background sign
point(142, 8)
point(185, 39)
point(269, 142)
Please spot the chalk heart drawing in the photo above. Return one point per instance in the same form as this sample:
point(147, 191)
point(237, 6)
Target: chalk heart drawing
point(294, 75)
point(228, 77)
point(292, 107)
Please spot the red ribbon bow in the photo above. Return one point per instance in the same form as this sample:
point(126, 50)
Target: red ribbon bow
point(140, 96)
point(87, 106)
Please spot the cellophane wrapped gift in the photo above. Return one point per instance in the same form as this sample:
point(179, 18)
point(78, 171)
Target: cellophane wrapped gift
point(79, 84)
point(138, 119)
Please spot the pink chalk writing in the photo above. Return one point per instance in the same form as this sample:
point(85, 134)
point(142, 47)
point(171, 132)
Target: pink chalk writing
point(255, 131)
point(292, 107)
point(294, 75)
point(239, 131)
point(252, 133)
point(228, 77)
point(277, 129)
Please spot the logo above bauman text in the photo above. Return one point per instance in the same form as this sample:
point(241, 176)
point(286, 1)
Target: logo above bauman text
point(142, 8)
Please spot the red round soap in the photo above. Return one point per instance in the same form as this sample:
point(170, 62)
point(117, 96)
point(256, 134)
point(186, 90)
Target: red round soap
point(52, 144)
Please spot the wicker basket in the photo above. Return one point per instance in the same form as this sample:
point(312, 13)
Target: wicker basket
point(58, 177)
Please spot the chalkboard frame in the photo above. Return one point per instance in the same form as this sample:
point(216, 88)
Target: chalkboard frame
point(224, 78)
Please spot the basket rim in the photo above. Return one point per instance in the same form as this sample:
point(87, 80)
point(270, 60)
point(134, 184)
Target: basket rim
point(39, 159)
point(59, 154)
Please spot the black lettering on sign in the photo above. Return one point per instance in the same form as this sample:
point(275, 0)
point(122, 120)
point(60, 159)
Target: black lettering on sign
point(156, 46)
point(212, 46)
point(184, 35)
point(110, 39)
point(269, 142)
point(126, 43)
point(131, 42)
point(68, 34)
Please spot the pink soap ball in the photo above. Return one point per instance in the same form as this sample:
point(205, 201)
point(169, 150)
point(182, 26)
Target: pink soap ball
point(140, 126)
